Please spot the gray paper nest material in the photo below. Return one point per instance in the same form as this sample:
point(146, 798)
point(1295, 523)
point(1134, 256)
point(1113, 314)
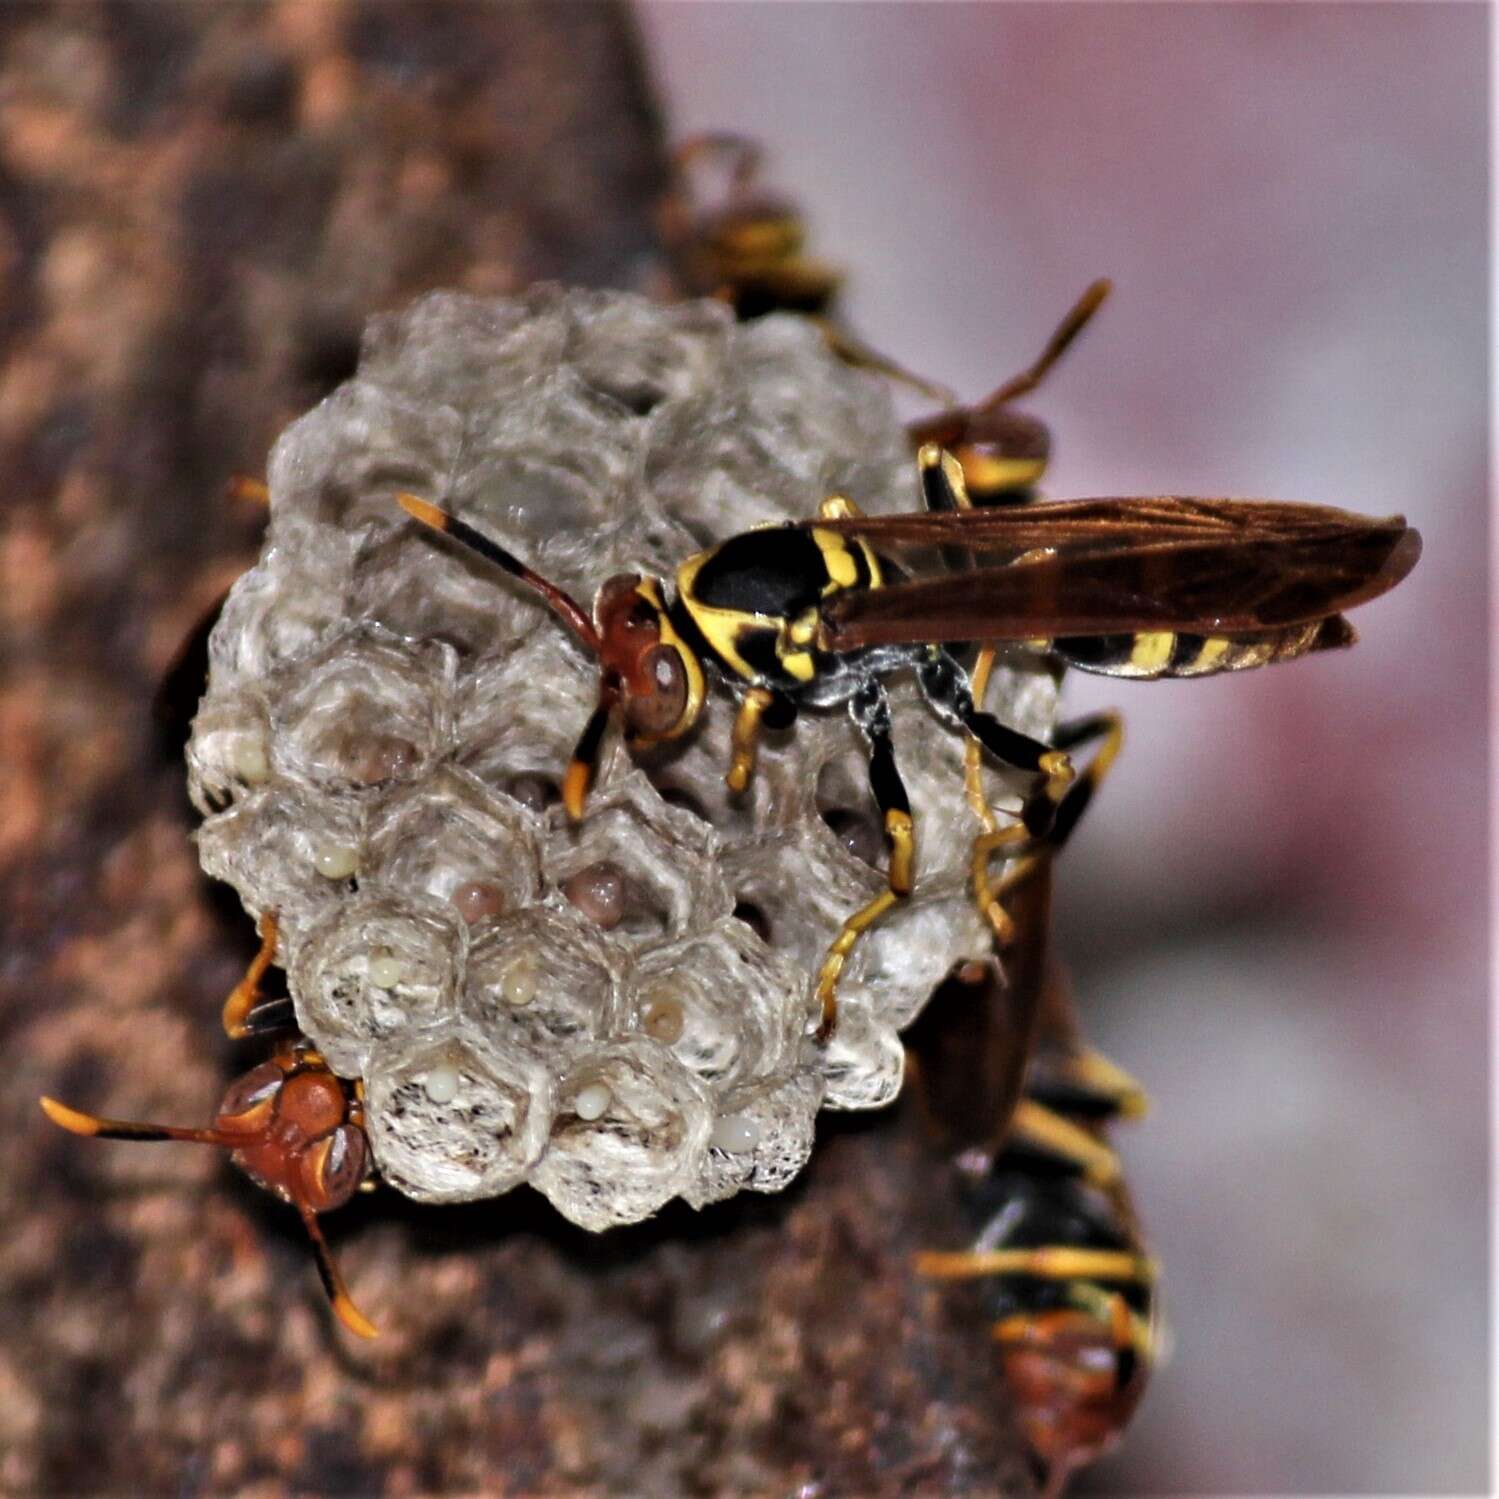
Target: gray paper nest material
point(385, 715)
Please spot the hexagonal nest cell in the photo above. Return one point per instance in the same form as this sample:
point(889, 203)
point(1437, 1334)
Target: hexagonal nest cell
point(619, 1012)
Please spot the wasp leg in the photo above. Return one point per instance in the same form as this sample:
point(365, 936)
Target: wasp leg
point(836, 507)
point(269, 1018)
point(943, 487)
point(1025, 848)
point(1092, 1072)
point(246, 994)
point(1049, 1261)
point(1033, 1124)
point(760, 705)
point(945, 686)
point(870, 708)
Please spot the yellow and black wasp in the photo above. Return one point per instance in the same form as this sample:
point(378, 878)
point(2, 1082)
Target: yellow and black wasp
point(815, 613)
point(746, 246)
point(1055, 1260)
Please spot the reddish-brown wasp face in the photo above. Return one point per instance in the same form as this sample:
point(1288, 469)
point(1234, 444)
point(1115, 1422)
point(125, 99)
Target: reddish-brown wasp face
point(647, 672)
point(1075, 1379)
point(293, 1128)
point(650, 669)
point(304, 1143)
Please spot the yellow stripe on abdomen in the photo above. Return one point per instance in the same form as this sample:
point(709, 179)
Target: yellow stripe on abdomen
point(1151, 652)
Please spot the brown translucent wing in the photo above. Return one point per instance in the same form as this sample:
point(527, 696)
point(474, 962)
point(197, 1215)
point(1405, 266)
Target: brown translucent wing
point(1106, 524)
point(1229, 576)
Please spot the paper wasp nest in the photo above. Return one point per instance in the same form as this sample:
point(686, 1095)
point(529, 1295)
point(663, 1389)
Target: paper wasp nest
point(618, 1013)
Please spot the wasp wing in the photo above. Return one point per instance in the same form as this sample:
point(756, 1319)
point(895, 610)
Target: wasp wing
point(1107, 524)
point(1113, 566)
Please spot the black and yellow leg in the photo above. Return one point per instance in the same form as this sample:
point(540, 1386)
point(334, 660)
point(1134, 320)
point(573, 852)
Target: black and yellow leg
point(945, 685)
point(746, 736)
point(943, 487)
point(870, 708)
point(246, 993)
point(1017, 841)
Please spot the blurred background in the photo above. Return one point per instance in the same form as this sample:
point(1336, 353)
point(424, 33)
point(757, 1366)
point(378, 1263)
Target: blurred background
point(1276, 914)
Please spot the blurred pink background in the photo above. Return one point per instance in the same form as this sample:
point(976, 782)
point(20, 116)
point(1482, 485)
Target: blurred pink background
point(1277, 913)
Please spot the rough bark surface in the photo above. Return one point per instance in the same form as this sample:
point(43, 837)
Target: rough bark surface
point(199, 206)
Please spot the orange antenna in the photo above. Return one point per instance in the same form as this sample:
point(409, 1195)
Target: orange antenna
point(1068, 329)
point(566, 609)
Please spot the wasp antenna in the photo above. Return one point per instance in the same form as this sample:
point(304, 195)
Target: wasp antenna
point(333, 1283)
point(565, 608)
point(1078, 318)
point(581, 768)
point(78, 1123)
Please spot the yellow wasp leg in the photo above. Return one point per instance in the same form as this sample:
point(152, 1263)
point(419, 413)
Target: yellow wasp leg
point(836, 507)
point(973, 763)
point(746, 736)
point(1035, 1124)
point(1092, 1070)
point(246, 993)
point(898, 830)
point(1052, 1262)
point(1014, 839)
point(988, 897)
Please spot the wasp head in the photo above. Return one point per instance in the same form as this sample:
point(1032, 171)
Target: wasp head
point(1075, 1376)
point(647, 672)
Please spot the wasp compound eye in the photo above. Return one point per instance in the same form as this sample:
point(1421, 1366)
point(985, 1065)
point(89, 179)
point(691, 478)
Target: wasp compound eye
point(248, 1094)
point(656, 704)
point(334, 1168)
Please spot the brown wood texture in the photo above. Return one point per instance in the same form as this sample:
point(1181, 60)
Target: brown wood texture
point(199, 205)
